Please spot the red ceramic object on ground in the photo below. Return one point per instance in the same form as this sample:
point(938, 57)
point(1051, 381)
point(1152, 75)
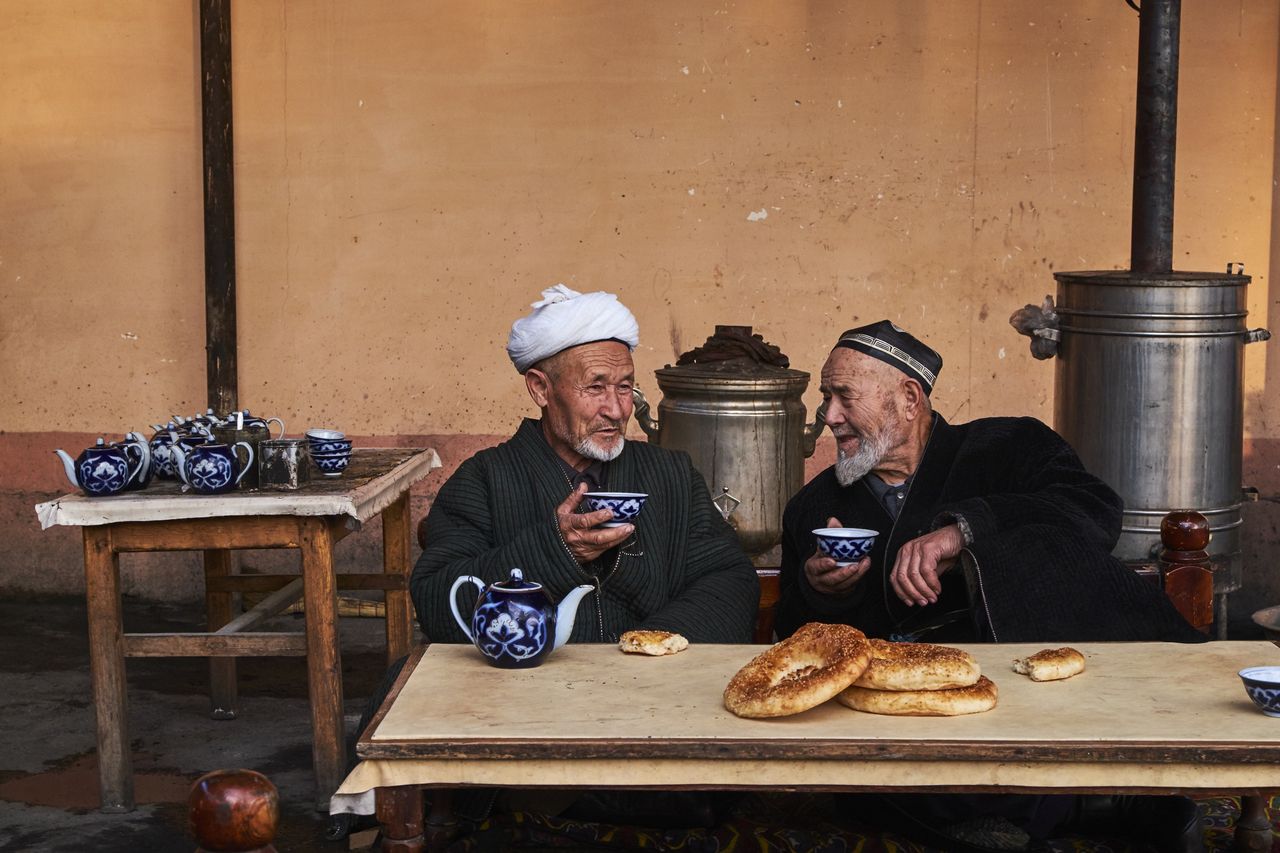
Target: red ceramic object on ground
point(234, 811)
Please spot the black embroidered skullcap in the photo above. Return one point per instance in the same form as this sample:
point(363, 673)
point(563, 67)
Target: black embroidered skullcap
point(898, 347)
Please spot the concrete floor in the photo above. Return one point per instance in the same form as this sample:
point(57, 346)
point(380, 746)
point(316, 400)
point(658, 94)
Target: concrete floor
point(48, 768)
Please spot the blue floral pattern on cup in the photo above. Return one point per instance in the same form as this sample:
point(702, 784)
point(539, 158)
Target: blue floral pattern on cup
point(331, 466)
point(330, 446)
point(845, 545)
point(625, 506)
point(1262, 683)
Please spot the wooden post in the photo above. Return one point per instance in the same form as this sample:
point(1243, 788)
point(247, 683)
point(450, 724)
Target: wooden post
point(219, 205)
point(106, 666)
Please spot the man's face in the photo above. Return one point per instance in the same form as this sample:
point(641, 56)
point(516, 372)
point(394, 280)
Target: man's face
point(587, 400)
point(861, 394)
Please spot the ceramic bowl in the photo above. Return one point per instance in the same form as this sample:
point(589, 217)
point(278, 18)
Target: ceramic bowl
point(331, 466)
point(845, 545)
point(336, 445)
point(325, 435)
point(1262, 683)
point(625, 506)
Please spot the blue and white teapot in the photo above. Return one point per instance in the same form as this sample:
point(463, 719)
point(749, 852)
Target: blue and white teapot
point(104, 469)
point(514, 624)
point(210, 469)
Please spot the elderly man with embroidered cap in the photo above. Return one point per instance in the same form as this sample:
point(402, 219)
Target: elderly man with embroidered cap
point(988, 530)
point(678, 568)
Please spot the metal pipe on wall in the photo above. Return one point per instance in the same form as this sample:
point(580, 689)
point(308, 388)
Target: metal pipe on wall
point(1155, 137)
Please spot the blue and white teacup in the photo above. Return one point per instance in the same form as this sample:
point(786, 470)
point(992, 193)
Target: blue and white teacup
point(625, 506)
point(845, 545)
point(331, 464)
point(1262, 683)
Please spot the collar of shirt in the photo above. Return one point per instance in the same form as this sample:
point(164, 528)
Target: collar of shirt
point(891, 497)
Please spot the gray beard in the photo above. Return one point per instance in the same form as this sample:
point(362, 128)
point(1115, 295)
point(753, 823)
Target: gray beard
point(851, 469)
point(591, 450)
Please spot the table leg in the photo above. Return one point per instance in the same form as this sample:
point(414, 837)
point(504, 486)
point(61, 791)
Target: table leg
point(400, 812)
point(223, 698)
point(1253, 829)
point(324, 659)
point(395, 561)
point(442, 824)
point(106, 666)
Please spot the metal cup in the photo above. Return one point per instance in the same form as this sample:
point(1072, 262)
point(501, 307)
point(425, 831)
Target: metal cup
point(282, 463)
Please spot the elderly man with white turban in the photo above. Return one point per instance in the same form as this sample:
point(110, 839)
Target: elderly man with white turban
point(677, 568)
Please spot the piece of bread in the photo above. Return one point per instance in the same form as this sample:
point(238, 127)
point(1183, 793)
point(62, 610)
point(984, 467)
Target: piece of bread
point(799, 673)
point(917, 666)
point(652, 643)
point(955, 702)
point(1051, 664)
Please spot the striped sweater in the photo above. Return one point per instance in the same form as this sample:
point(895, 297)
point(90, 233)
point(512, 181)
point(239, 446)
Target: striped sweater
point(684, 571)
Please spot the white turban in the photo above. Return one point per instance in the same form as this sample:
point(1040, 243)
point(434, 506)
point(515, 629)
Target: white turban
point(565, 318)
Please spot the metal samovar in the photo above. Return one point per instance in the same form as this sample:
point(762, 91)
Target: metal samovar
point(734, 405)
point(1149, 386)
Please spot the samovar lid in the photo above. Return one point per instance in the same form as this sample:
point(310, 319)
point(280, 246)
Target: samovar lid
point(732, 355)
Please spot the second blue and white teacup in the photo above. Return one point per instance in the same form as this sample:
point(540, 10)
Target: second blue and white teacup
point(845, 545)
point(625, 506)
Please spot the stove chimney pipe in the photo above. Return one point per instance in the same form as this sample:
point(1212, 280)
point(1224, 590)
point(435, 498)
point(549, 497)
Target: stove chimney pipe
point(1155, 137)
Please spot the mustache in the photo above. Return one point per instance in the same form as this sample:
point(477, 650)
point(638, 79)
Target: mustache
point(607, 423)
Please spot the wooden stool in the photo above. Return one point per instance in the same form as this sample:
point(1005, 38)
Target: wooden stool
point(234, 811)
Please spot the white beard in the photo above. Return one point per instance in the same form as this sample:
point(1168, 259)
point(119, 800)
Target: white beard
point(592, 450)
point(871, 450)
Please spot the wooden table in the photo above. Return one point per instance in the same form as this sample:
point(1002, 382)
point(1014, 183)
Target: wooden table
point(311, 519)
point(1143, 718)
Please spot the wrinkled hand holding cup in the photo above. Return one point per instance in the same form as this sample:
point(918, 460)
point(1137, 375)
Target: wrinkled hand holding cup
point(845, 545)
point(625, 506)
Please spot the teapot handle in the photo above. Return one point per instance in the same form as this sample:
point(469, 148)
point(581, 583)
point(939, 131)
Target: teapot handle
point(453, 602)
point(276, 420)
point(244, 469)
point(144, 456)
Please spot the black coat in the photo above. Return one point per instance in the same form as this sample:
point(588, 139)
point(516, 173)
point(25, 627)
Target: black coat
point(1039, 568)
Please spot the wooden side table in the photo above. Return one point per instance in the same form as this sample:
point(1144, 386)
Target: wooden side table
point(312, 520)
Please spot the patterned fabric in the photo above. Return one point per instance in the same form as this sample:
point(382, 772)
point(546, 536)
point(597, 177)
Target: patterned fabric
point(787, 823)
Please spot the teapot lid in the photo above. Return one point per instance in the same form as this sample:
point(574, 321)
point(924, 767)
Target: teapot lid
point(517, 582)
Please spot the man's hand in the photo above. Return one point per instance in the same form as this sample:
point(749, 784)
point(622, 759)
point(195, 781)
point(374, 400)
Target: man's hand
point(578, 531)
point(917, 573)
point(826, 577)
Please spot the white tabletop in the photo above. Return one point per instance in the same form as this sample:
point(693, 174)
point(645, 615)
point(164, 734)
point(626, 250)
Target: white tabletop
point(374, 479)
point(1143, 715)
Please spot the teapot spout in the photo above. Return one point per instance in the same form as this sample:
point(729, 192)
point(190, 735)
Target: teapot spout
point(68, 465)
point(567, 611)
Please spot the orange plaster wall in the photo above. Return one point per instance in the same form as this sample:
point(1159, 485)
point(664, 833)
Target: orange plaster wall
point(409, 176)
